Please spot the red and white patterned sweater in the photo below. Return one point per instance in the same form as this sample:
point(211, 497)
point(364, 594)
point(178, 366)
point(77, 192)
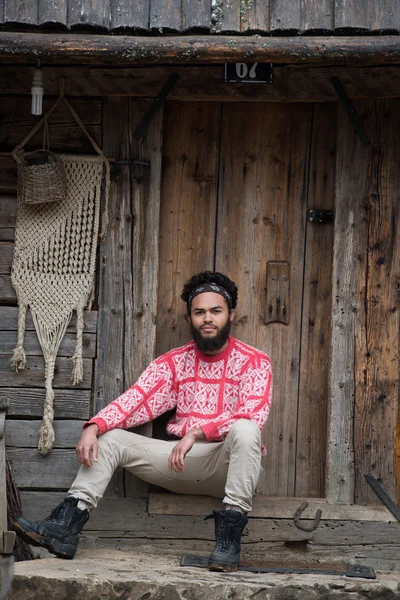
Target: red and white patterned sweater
point(210, 392)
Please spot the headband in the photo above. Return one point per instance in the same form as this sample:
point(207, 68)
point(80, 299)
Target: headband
point(210, 287)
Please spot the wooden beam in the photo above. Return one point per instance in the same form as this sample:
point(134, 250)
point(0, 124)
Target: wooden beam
point(268, 508)
point(107, 49)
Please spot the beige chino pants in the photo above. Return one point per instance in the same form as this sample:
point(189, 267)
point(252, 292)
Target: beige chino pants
point(228, 469)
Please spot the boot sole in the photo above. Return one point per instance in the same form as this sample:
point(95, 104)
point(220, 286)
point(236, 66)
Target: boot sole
point(222, 568)
point(52, 545)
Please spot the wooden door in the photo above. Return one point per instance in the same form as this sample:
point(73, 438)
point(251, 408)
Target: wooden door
point(237, 182)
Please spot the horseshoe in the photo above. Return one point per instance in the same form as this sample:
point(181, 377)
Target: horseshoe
point(303, 526)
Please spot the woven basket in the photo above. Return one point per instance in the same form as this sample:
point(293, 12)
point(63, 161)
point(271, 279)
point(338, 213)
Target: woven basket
point(39, 183)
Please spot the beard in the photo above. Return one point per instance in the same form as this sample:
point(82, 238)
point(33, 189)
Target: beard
point(211, 344)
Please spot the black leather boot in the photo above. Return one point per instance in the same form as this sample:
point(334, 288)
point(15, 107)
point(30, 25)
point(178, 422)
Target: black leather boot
point(229, 525)
point(58, 532)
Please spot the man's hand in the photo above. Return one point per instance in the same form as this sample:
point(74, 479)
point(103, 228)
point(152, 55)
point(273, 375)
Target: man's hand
point(87, 447)
point(176, 460)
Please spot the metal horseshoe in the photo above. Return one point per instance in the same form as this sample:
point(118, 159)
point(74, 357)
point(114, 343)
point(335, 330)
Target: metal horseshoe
point(310, 527)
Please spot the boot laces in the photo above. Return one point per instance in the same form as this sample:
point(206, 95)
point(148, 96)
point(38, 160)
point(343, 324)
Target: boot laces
point(58, 514)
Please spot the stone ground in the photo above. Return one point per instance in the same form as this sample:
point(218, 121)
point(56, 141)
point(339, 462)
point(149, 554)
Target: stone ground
point(105, 574)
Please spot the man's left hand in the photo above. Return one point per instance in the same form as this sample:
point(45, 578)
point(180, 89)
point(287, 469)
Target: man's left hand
point(176, 460)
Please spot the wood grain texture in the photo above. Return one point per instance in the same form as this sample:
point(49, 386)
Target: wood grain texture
point(53, 12)
point(3, 486)
point(349, 250)
point(139, 50)
point(377, 334)
point(317, 15)
point(268, 507)
point(8, 211)
point(261, 217)
point(7, 292)
point(225, 17)
point(254, 16)
point(293, 83)
point(89, 12)
point(165, 15)
point(196, 15)
point(285, 15)
point(25, 434)
point(30, 469)
point(8, 176)
point(188, 211)
point(9, 320)
point(28, 402)
point(361, 16)
point(8, 340)
point(25, 11)
point(33, 375)
point(16, 122)
point(6, 256)
point(123, 17)
point(317, 306)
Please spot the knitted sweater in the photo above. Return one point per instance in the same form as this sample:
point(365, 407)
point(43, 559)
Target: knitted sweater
point(210, 392)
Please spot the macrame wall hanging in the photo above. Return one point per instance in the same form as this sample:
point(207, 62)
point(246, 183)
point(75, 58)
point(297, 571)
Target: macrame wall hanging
point(54, 260)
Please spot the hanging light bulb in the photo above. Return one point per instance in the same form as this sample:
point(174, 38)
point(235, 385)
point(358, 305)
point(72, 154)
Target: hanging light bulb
point(37, 92)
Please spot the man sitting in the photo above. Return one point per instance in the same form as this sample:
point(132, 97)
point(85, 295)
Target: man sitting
point(221, 390)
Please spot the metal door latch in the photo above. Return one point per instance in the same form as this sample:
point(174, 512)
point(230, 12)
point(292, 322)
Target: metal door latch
point(319, 216)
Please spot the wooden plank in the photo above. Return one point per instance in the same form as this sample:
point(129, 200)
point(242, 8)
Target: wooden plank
point(7, 234)
point(36, 505)
point(277, 305)
point(53, 12)
point(6, 257)
point(8, 211)
point(317, 16)
point(84, 12)
point(142, 251)
point(25, 11)
point(196, 15)
point(123, 16)
point(7, 292)
point(268, 507)
point(28, 402)
point(225, 17)
point(165, 16)
point(16, 122)
point(378, 323)
point(8, 175)
point(3, 485)
point(254, 16)
point(25, 434)
point(261, 217)
point(123, 49)
point(113, 517)
point(33, 375)
point(8, 340)
point(57, 469)
point(188, 211)
point(285, 15)
point(9, 320)
point(294, 83)
point(351, 16)
point(384, 15)
point(349, 249)
point(317, 305)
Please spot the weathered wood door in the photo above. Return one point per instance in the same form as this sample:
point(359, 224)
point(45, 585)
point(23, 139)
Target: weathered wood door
point(237, 182)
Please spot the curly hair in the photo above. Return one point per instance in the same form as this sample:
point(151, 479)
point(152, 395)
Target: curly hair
point(209, 277)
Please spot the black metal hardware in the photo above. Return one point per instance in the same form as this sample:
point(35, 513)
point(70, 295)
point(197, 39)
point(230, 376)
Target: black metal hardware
point(384, 496)
point(315, 215)
point(351, 111)
point(191, 560)
point(310, 526)
point(156, 105)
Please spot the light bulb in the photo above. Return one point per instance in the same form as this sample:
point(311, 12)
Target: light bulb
point(37, 92)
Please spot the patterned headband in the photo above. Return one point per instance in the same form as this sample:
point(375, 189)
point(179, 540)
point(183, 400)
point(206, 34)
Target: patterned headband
point(210, 287)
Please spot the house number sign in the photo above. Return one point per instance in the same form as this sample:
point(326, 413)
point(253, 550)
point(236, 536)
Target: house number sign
point(248, 72)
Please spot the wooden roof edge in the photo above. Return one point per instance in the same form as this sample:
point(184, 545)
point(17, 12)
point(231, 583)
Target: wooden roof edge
point(125, 50)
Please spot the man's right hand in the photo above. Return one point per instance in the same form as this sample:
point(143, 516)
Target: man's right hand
point(87, 448)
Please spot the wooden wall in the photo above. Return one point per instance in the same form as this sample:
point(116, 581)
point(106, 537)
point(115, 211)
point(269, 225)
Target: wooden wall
point(201, 203)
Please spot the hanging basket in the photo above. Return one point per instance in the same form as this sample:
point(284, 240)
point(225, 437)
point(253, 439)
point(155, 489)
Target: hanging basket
point(41, 177)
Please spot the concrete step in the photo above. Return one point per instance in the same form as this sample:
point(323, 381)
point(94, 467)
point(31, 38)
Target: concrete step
point(104, 574)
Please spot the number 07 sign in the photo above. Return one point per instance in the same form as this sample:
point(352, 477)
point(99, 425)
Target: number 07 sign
point(248, 72)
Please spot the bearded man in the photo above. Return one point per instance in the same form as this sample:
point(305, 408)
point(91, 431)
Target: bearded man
point(221, 390)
